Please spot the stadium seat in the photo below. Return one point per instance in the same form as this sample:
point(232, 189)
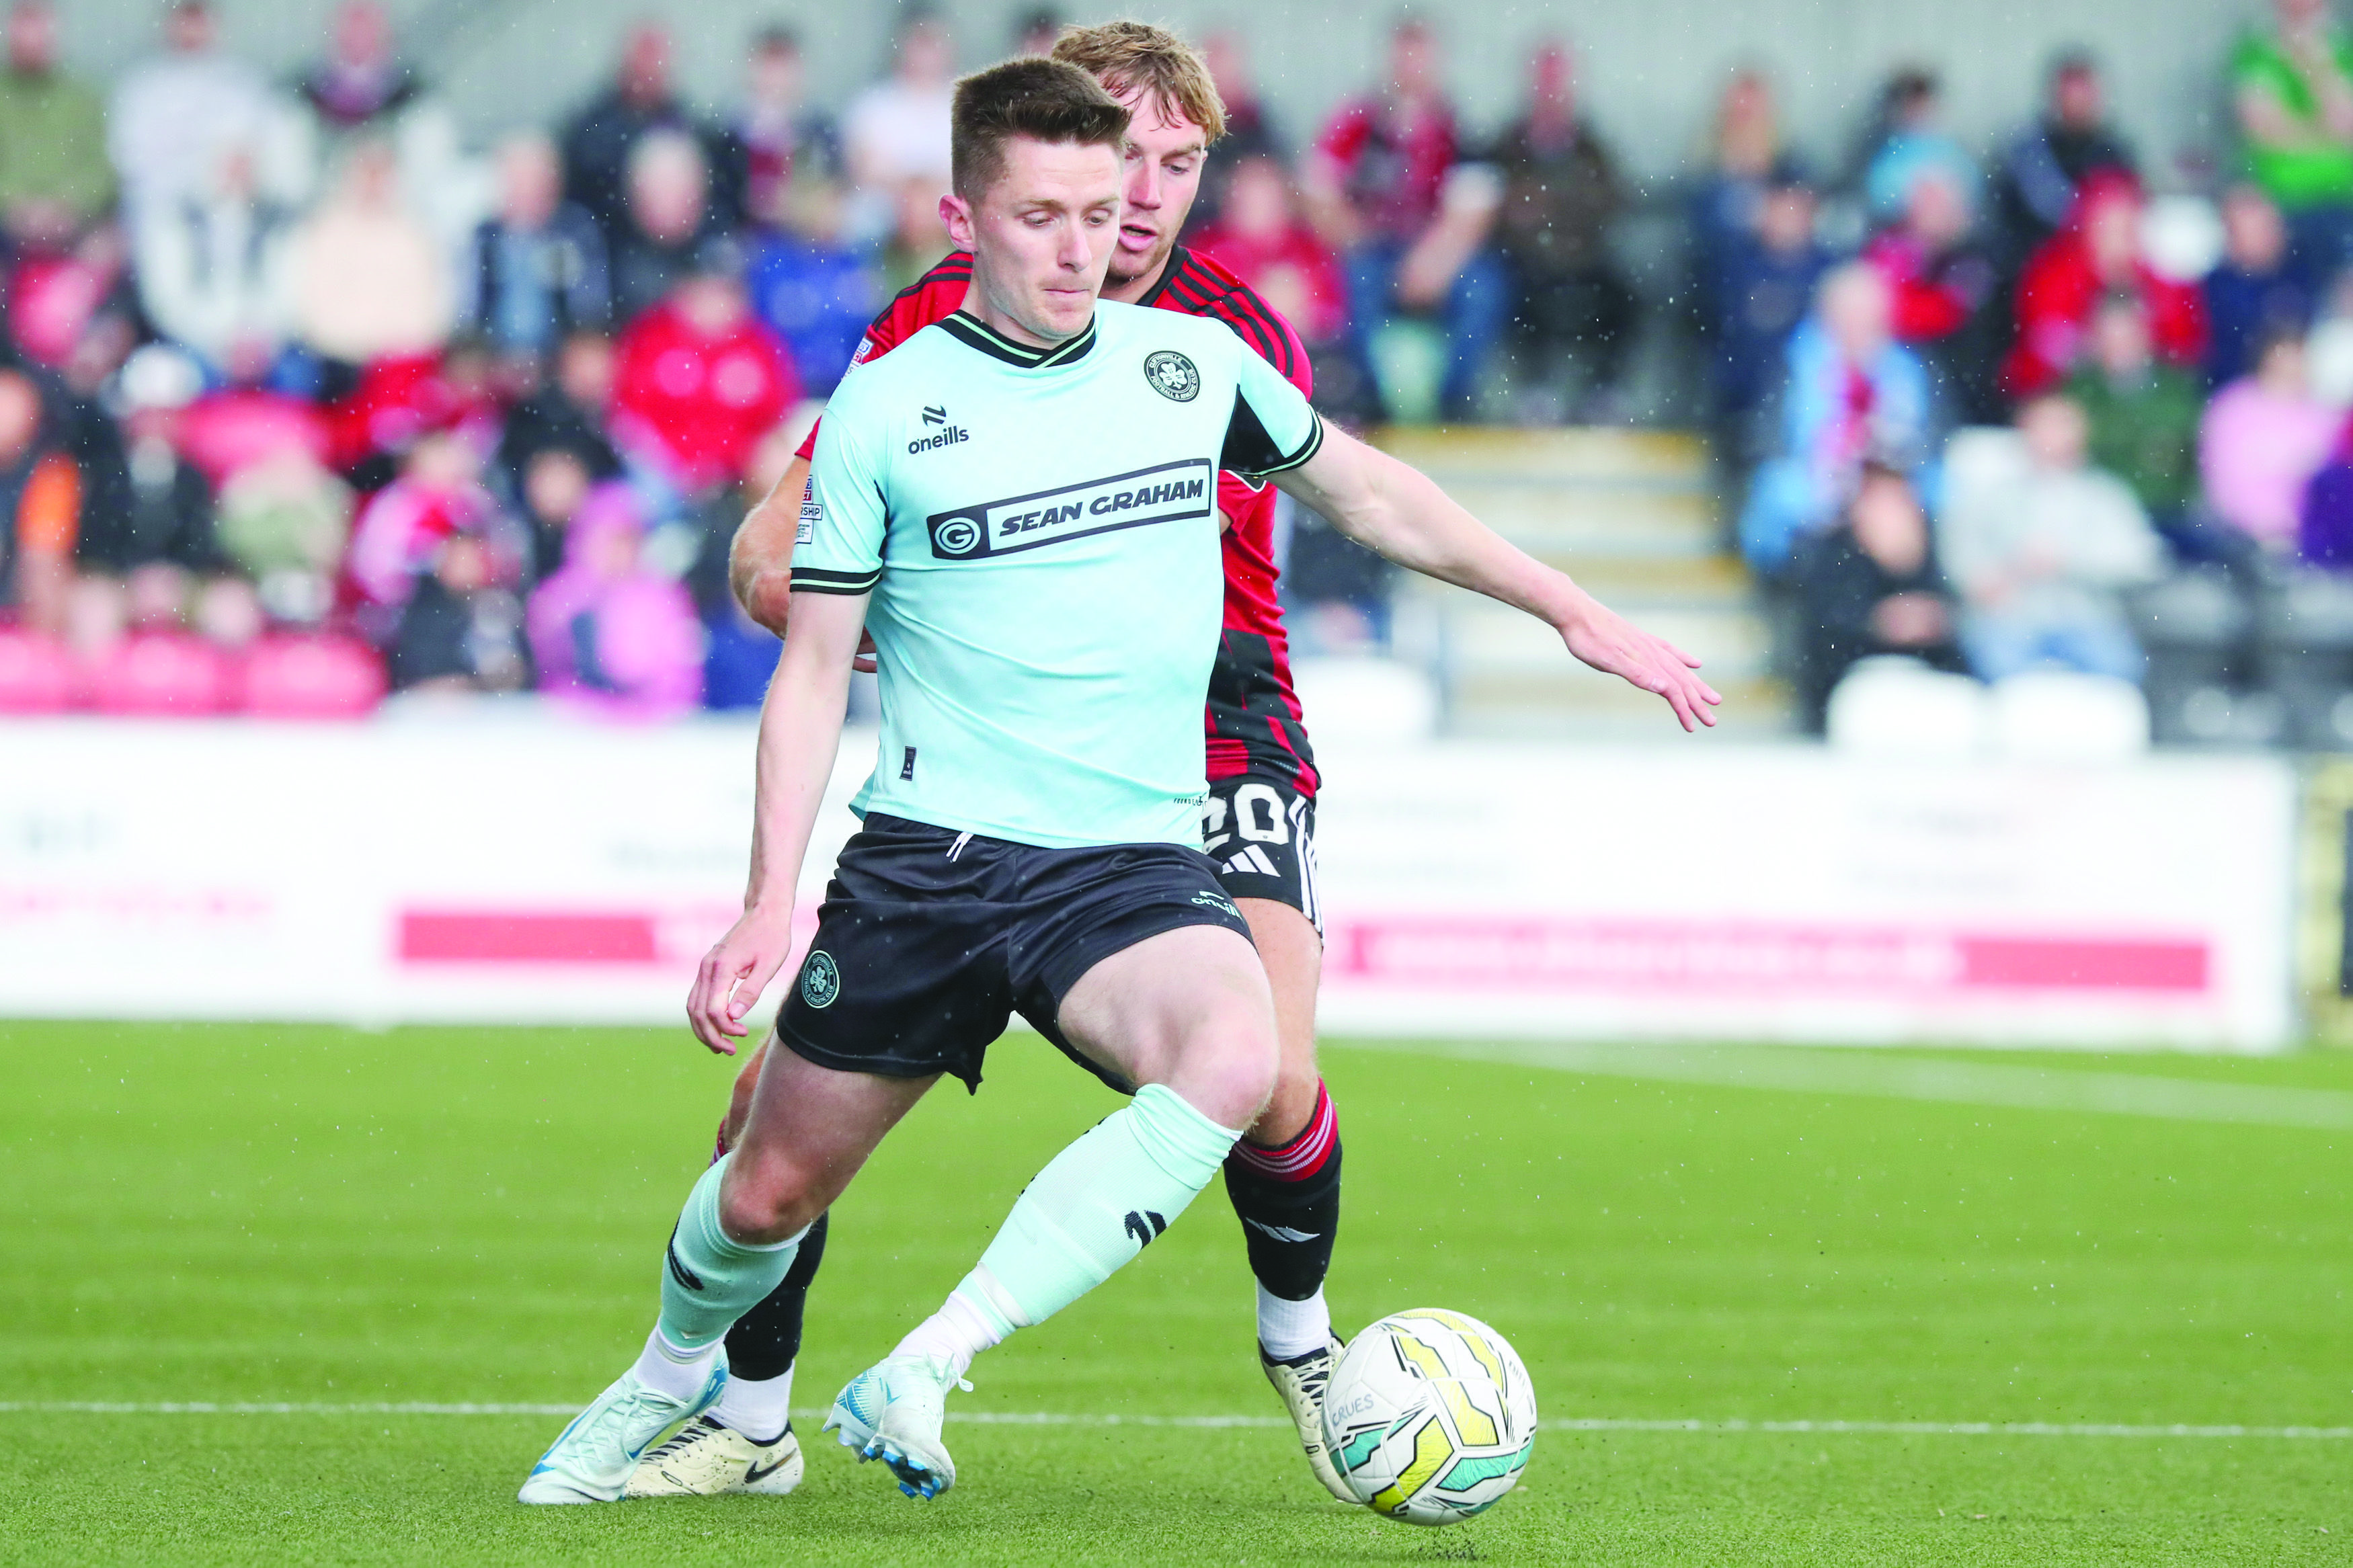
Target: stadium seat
point(36, 675)
point(161, 674)
point(2196, 628)
point(1367, 699)
point(290, 676)
point(2304, 652)
point(1894, 707)
point(1409, 363)
point(2181, 237)
point(2061, 716)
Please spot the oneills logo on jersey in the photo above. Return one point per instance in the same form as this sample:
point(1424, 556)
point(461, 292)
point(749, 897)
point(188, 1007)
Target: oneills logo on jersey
point(935, 415)
point(1172, 492)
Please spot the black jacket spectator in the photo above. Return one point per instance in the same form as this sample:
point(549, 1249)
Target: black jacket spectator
point(565, 414)
point(1561, 192)
point(2037, 174)
point(1870, 585)
point(546, 420)
point(148, 506)
point(599, 141)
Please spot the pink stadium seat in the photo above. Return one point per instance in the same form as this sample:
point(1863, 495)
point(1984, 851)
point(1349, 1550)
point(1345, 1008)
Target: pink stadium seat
point(297, 676)
point(36, 675)
point(161, 674)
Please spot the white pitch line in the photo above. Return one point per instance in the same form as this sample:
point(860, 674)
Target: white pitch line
point(1955, 1428)
point(1058, 1418)
point(1833, 1070)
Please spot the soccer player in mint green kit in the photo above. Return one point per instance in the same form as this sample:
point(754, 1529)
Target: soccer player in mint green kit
point(1020, 504)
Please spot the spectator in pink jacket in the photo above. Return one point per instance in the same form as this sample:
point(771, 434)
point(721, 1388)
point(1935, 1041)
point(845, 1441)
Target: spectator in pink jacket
point(2264, 438)
point(400, 532)
point(610, 635)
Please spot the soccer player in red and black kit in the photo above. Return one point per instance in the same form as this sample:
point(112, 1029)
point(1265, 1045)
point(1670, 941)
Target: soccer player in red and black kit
point(1283, 1177)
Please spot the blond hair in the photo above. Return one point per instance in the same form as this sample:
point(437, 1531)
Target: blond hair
point(1137, 57)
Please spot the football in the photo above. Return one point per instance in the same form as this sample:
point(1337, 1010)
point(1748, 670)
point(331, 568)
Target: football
point(1429, 1416)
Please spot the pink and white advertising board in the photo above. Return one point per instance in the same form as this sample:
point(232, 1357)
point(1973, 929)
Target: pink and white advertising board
point(533, 869)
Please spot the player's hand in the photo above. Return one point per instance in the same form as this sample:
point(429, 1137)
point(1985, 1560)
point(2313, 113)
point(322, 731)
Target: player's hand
point(1615, 645)
point(864, 661)
point(732, 975)
point(768, 598)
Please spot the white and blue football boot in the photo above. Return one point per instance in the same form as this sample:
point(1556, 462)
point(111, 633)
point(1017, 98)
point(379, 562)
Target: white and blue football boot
point(892, 1411)
point(592, 1459)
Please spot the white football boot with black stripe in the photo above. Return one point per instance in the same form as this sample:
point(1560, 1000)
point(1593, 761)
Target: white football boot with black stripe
point(706, 1458)
point(1300, 1381)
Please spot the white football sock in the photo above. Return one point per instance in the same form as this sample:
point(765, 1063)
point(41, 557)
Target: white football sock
point(1286, 1328)
point(673, 1370)
point(963, 1326)
point(758, 1410)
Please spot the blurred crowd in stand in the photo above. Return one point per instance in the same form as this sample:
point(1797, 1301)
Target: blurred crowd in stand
point(2053, 409)
point(304, 397)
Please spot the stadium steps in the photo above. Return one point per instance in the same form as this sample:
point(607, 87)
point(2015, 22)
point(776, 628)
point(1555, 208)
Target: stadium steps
point(1633, 515)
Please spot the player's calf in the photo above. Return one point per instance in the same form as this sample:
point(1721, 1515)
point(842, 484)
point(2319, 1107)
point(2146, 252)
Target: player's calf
point(745, 1442)
point(1288, 1198)
point(720, 1262)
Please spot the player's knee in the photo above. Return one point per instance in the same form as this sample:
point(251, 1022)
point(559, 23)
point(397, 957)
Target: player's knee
point(762, 1207)
point(1234, 1066)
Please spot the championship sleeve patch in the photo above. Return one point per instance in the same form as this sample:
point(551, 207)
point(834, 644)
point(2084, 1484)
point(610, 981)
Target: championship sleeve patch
point(811, 514)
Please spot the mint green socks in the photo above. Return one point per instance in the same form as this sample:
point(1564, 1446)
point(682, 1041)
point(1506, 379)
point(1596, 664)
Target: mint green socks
point(709, 1280)
point(1098, 1204)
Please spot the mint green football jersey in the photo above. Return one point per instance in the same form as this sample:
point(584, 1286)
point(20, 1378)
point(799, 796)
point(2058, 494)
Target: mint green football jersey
point(1038, 530)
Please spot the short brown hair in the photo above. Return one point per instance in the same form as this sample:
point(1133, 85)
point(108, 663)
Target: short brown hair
point(1045, 101)
point(1128, 56)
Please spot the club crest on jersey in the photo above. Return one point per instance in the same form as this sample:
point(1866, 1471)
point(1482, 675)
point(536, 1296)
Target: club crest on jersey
point(1172, 375)
point(1170, 492)
point(820, 980)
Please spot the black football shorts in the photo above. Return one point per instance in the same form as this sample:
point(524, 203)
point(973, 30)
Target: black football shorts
point(1261, 835)
point(929, 941)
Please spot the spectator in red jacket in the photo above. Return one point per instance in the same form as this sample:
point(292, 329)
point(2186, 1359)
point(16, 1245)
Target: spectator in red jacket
point(1941, 282)
point(1388, 185)
point(2095, 254)
point(700, 380)
point(1260, 238)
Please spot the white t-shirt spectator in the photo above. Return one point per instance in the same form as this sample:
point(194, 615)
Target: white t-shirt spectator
point(174, 115)
point(898, 130)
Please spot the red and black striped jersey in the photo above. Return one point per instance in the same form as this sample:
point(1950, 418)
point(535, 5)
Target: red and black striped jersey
point(1252, 715)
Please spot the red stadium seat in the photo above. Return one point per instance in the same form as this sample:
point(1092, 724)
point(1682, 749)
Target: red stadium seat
point(161, 674)
point(36, 675)
point(300, 677)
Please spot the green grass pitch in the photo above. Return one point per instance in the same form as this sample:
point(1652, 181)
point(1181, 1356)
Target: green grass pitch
point(260, 1214)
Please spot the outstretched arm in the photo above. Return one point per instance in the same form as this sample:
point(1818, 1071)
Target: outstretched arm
point(800, 729)
point(1399, 512)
